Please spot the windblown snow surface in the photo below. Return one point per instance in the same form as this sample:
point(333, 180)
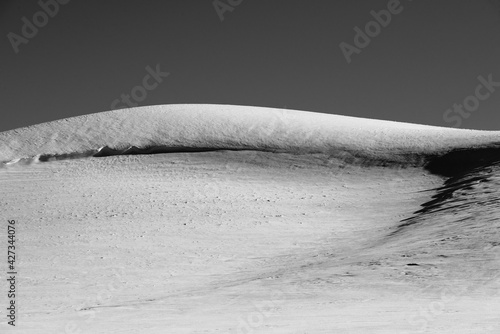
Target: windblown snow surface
point(250, 220)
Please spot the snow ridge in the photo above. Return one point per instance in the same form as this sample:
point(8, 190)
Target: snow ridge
point(193, 128)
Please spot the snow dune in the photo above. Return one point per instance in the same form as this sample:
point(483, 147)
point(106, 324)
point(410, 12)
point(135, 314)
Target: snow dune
point(269, 221)
point(168, 128)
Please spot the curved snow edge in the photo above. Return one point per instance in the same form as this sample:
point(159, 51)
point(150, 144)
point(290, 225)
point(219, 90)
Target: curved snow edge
point(197, 128)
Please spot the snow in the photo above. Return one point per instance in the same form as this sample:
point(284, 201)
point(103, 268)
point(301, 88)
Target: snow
point(283, 228)
point(236, 127)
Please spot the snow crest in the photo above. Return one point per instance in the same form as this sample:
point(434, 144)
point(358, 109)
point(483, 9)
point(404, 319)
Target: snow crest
point(193, 128)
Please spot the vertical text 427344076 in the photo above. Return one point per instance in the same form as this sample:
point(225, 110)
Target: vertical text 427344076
point(11, 272)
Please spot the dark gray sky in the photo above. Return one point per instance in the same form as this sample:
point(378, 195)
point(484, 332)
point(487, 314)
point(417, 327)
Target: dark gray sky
point(279, 53)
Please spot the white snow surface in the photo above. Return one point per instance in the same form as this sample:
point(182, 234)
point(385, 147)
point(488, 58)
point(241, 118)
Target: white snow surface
point(235, 127)
point(276, 229)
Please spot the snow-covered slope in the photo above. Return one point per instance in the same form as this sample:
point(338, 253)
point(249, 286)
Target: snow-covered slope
point(249, 236)
point(198, 127)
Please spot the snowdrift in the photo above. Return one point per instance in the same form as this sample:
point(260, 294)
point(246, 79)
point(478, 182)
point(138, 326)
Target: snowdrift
point(174, 128)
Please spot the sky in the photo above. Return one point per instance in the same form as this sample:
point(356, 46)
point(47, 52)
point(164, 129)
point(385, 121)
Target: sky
point(432, 62)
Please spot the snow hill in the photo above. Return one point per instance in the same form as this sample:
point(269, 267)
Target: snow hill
point(167, 128)
point(293, 222)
